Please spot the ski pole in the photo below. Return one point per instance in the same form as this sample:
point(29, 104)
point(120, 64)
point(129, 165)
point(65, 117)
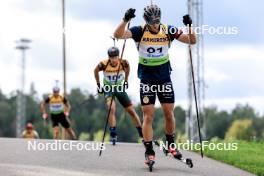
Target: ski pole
point(194, 90)
point(112, 98)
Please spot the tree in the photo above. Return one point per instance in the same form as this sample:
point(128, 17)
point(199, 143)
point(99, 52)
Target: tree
point(217, 122)
point(243, 112)
point(241, 130)
point(180, 116)
point(258, 125)
point(6, 120)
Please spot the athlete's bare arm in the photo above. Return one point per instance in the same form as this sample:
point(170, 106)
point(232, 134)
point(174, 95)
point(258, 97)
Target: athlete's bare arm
point(96, 74)
point(186, 38)
point(121, 32)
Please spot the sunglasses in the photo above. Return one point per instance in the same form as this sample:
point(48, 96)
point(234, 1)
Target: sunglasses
point(153, 21)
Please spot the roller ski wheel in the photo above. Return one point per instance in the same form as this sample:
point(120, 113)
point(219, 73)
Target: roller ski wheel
point(176, 154)
point(113, 140)
point(150, 165)
point(150, 161)
point(189, 162)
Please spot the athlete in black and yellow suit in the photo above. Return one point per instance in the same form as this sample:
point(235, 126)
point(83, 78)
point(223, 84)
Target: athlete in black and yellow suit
point(114, 86)
point(153, 42)
point(59, 108)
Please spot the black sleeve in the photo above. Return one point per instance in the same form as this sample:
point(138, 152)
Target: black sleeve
point(137, 33)
point(47, 100)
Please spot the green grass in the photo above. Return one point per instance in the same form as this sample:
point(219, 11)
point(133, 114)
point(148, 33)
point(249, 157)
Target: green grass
point(249, 156)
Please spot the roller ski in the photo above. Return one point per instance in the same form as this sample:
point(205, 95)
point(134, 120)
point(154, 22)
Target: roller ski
point(175, 154)
point(113, 140)
point(149, 155)
point(113, 135)
point(150, 161)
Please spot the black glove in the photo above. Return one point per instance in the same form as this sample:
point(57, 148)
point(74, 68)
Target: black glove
point(187, 21)
point(125, 85)
point(99, 89)
point(130, 13)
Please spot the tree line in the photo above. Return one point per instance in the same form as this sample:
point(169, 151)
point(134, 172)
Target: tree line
point(89, 112)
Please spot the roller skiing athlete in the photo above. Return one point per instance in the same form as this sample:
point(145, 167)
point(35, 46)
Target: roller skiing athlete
point(59, 108)
point(116, 89)
point(153, 41)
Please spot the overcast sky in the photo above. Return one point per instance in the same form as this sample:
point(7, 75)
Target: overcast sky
point(234, 64)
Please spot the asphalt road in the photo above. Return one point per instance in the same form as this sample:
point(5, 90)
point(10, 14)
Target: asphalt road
point(123, 159)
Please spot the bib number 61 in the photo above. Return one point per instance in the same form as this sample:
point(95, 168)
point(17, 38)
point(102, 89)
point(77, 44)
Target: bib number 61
point(153, 50)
